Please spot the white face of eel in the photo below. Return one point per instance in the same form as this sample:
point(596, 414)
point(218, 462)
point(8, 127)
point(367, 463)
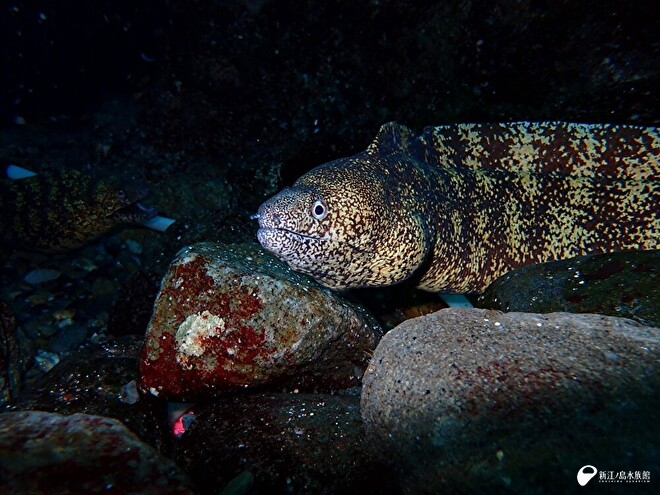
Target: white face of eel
point(336, 224)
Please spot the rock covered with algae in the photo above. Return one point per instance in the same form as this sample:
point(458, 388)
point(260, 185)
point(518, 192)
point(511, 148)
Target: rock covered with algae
point(232, 316)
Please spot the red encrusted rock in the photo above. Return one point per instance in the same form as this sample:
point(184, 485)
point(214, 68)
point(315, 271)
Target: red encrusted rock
point(43, 453)
point(230, 316)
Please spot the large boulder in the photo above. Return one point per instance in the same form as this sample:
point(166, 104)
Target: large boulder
point(615, 284)
point(477, 401)
point(232, 316)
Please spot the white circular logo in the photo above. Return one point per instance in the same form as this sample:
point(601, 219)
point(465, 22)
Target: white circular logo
point(585, 474)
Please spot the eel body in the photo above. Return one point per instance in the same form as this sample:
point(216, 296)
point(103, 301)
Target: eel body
point(62, 210)
point(459, 205)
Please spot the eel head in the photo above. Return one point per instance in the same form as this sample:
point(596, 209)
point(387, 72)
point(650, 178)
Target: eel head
point(338, 224)
point(117, 202)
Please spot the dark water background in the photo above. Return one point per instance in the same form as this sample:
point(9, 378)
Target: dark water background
point(304, 82)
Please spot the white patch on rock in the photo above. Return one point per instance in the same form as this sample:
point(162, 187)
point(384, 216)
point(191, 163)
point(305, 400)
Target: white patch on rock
point(192, 333)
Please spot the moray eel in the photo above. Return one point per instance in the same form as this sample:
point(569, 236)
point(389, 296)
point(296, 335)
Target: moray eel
point(62, 210)
point(459, 205)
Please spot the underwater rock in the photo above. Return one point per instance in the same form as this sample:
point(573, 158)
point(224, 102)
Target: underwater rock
point(616, 284)
point(43, 453)
point(41, 275)
point(283, 443)
point(477, 401)
point(16, 355)
point(232, 316)
point(68, 338)
point(97, 379)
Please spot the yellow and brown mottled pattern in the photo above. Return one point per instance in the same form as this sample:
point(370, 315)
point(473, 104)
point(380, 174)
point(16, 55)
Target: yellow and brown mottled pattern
point(62, 210)
point(460, 205)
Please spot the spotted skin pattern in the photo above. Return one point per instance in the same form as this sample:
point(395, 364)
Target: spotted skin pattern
point(62, 210)
point(460, 205)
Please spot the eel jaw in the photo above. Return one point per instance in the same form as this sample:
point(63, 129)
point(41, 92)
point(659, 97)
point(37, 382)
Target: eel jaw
point(273, 237)
point(134, 213)
point(124, 203)
point(300, 251)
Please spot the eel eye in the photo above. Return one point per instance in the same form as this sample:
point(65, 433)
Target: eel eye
point(319, 209)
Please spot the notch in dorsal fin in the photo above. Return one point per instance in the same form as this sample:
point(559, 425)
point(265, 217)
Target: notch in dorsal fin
point(391, 138)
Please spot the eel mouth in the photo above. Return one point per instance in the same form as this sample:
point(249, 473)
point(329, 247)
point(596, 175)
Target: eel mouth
point(134, 213)
point(272, 232)
point(126, 207)
point(271, 238)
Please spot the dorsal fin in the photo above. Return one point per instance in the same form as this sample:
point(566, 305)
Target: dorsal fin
point(391, 138)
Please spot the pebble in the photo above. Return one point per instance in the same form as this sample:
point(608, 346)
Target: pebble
point(68, 338)
point(46, 360)
point(41, 275)
point(133, 247)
